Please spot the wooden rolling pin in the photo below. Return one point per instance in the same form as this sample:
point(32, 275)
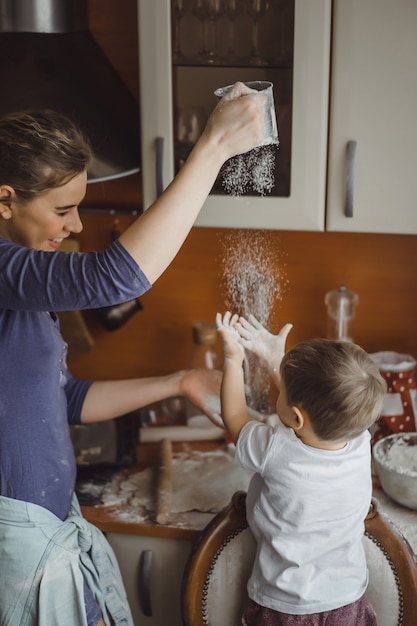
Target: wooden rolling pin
point(164, 482)
point(180, 433)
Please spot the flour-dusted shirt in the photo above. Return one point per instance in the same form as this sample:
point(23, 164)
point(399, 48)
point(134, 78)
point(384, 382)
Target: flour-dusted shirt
point(44, 583)
point(38, 396)
point(306, 508)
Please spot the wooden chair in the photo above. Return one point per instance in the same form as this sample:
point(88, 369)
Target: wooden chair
point(214, 584)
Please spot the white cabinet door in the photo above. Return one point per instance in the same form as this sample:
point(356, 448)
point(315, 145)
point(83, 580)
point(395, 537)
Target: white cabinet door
point(155, 89)
point(374, 103)
point(304, 208)
point(152, 569)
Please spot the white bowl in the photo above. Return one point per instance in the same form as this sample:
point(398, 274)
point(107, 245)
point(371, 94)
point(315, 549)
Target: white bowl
point(395, 459)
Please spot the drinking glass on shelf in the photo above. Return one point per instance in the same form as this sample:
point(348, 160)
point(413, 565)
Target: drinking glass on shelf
point(179, 8)
point(199, 10)
point(233, 8)
point(256, 9)
point(208, 12)
point(190, 121)
point(282, 8)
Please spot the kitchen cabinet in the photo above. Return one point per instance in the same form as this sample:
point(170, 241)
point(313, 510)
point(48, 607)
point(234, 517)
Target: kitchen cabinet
point(178, 78)
point(152, 570)
point(361, 153)
point(373, 116)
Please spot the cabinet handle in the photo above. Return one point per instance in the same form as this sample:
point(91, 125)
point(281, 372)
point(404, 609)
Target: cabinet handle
point(350, 171)
point(145, 569)
point(159, 141)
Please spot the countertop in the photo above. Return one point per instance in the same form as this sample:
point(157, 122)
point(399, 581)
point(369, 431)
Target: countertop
point(126, 519)
point(127, 516)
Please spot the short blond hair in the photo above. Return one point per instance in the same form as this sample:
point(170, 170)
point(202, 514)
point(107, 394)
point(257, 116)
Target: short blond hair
point(337, 384)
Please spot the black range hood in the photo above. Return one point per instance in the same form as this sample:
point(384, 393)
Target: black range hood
point(49, 59)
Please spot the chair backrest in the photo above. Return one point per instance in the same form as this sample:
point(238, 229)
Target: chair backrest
point(214, 584)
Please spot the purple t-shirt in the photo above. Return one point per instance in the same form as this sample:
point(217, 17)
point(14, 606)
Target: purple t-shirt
point(38, 396)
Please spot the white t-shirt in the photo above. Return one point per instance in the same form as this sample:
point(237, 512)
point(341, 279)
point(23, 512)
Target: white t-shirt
point(306, 508)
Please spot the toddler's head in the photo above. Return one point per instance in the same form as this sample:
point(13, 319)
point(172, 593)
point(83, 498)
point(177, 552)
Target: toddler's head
point(337, 384)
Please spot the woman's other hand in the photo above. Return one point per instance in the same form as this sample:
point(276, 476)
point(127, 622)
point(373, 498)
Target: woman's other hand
point(202, 388)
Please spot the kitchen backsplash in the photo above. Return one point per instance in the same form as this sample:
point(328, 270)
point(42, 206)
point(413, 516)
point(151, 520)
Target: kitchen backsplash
point(381, 269)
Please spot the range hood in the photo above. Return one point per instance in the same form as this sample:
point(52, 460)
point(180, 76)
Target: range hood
point(49, 59)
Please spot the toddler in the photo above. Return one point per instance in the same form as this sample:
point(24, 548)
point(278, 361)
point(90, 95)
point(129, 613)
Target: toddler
point(312, 487)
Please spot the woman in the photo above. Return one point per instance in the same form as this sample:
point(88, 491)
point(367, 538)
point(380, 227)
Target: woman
point(56, 568)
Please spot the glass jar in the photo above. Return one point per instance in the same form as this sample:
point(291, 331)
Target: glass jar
point(206, 354)
point(341, 305)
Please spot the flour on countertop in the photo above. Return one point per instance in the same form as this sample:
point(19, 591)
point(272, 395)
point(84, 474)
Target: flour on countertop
point(201, 481)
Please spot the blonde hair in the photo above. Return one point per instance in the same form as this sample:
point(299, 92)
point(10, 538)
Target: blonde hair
point(337, 383)
point(40, 150)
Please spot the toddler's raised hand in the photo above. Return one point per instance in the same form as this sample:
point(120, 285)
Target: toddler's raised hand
point(232, 347)
point(258, 340)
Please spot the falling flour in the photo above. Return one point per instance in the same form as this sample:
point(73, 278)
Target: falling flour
point(251, 171)
point(253, 281)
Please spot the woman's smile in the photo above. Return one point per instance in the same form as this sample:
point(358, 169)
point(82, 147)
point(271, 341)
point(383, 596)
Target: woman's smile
point(55, 242)
point(44, 222)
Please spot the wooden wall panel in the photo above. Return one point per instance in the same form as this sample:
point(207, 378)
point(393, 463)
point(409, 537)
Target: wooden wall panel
point(382, 269)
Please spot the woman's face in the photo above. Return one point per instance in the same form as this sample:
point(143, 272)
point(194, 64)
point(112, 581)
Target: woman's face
point(42, 223)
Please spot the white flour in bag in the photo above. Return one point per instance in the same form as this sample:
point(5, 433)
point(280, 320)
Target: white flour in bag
point(254, 170)
point(251, 171)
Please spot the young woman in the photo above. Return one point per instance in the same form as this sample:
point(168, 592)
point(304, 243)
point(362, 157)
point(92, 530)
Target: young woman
point(56, 568)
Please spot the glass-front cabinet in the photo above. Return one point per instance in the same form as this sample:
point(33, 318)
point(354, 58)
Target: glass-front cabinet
point(188, 49)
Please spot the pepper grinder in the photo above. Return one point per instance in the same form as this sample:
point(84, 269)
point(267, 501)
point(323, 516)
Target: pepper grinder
point(206, 355)
point(341, 305)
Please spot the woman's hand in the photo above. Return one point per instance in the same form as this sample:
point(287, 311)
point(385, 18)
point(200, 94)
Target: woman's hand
point(202, 388)
point(236, 124)
point(258, 340)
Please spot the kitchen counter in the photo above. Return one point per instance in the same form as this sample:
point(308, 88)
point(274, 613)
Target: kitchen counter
point(125, 516)
point(126, 512)
point(126, 519)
